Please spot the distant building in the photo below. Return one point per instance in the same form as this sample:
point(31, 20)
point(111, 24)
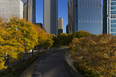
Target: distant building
point(85, 15)
point(109, 17)
point(39, 24)
point(67, 31)
point(50, 16)
point(11, 8)
point(30, 10)
point(60, 25)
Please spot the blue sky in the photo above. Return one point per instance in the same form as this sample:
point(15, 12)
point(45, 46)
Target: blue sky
point(62, 12)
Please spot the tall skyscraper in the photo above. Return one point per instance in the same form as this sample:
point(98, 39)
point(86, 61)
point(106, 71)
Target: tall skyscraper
point(30, 10)
point(60, 25)
point(109, 17)
point(50, 16)
point(70, 16)
point(11, 8)
point(67, 29)
point(87, 16)
point(34, 12)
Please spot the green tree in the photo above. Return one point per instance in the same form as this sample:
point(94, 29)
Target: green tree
point(81, 33)
point(49, 41)
point(62, 39)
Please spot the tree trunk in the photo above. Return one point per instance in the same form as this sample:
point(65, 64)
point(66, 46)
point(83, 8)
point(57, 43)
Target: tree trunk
point(21, 63)
point(47, 48)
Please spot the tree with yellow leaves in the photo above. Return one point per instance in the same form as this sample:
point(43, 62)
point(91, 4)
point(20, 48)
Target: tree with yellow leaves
point(96, 53)
point(18, 36)
point(27, 33)
point(49, 41)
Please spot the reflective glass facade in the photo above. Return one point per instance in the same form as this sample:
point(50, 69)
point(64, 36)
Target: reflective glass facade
point(111, 16)
point(87, 16)
point(70, 16)
point(30, 10)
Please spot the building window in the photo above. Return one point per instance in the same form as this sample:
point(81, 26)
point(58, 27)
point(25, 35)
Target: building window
point(101, 21)
point(113, 34)
point(113, 21)
point(79, 4)
point(113, 0)
point(87, 4)
point(90, 4)
point(93, 21)
point(113, 25)
point(79, 21)
point(113, 7)
point(113, 3)
point(87, 21)
point(90, 21)
point(113, 12)
point(84, 21)
point(113, 30)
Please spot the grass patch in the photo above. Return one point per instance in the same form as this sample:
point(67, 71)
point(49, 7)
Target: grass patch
point(19, 68)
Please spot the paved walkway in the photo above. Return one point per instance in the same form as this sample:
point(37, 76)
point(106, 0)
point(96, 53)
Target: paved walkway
point(52, 66)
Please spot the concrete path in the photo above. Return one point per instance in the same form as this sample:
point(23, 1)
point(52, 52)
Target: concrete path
point(52, 66)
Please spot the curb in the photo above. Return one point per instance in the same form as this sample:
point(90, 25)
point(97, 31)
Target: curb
point(70, 68)
point(38, 61)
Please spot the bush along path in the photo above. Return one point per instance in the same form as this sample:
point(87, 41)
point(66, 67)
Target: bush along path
point(17, 69)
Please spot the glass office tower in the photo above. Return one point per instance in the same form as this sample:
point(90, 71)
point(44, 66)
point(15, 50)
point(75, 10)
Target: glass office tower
point(30, 10)
point(70, 16)
point(87, 16)
point(109, 17)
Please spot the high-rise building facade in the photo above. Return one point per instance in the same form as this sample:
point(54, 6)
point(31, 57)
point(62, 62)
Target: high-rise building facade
point(11, 8)
point(109, 17)
point(67, 29)
point(30, 10)
point(50, 16)
point(60, 25)
point(87, 16)
point(70, 16)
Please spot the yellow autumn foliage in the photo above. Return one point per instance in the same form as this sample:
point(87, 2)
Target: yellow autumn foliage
point(96, 52)
point(17, 36)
